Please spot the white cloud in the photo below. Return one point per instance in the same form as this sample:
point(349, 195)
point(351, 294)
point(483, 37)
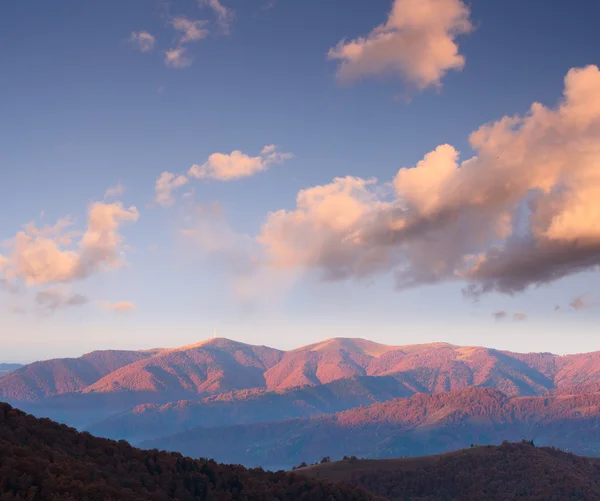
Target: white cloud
point(417, 43)
point(143, 40)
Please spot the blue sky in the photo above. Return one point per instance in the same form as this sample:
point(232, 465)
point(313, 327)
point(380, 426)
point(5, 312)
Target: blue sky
point(84, 109)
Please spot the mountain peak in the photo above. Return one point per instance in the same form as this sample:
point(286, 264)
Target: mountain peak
point(214, 341)
point(354, 345)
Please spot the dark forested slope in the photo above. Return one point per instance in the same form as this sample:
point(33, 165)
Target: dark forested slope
point(43, 461)
point(491, 473)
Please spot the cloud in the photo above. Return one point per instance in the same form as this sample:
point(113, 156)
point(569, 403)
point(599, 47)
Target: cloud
point(211, 234)
point(8, 286)
point(165, 185)
point(177, 58)
point(522, 212)
point(57, 254)
point(582, 302)
point(114, 191)
point(55, 298)
point(519, 317)
point(191, 30)
point(119, 307)
point(17, 309)
point(142, 40)
point(225, 15)
point(269, 4)
point(503, 315)
point(220, 167)
point(499, 315)
point(236, 165)
point(417, 43)
point(208, 232)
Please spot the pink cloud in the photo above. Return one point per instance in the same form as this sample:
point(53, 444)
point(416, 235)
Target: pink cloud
point(142, 40)
point(225, 15)
point(236, 165)
point(191, 30)
point(57, 254)
point(165, 185)
point(417, 43)
point(523, 211)
point(114, 191)
point(119, 307)
point(177, 58)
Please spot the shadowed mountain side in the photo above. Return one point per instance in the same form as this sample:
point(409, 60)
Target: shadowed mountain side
point(420, 425)
point(65, 375)
point(45, 461)
point(242, 407)
point(509, 471)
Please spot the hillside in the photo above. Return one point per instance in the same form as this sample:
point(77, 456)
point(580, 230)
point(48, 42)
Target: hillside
point(213, 366)
point(420, 425)
point(6, 368)
point(64, 375)
point(42, 460)
point(45, 461)
point(243, 407)
point(510, 471)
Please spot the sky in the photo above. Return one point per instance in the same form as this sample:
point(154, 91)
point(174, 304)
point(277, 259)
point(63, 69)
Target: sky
point(282, 172)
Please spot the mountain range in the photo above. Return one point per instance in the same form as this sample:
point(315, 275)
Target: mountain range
point(221, 365)
point(421, 425)
point(172, 398)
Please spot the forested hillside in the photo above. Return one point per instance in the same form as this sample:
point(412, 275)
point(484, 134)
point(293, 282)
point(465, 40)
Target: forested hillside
point(44, 461)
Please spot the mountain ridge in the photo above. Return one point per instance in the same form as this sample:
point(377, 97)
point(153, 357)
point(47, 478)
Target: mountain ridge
point(86, 390)
point(420, 425)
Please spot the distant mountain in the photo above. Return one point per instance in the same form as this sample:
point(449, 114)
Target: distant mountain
point(213, 366)
point(65, 375)
point(248, 406)
point(490, 473)
point(91, 388)
point(45, 461)
point(6, 368)
point(420, 425)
